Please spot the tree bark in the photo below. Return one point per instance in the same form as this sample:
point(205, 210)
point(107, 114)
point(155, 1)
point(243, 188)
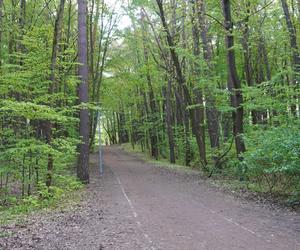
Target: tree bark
point(83, 158)
point(187, 100)
point(22, 19)
point(295, 50)
point(298, 7)
point(92, 40)
point(12, 35)
point(153, 106)
point(246, 48)
point(198, 127)
point(211, 111)
point(234, 84)
point(293, 37)
point(55, 47)
point(169, 122)
point(181, 99)
point(123, 134)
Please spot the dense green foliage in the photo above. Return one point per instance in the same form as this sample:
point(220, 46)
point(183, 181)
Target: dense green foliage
point(142, 65)
point(275, 158)
point(209, 84)
point(39, 106)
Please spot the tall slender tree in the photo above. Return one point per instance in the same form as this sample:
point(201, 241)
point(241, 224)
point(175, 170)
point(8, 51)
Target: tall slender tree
point(292, 35)
point(198, 128)
point(295, 61)
point(53, 67)
point(234, 84)
point(168, 112)
point(192, 114)
point(152, 102)
point(83, 158)
point(211, 111)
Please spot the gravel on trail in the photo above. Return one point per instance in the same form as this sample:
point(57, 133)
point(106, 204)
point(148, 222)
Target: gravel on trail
point(138, 205)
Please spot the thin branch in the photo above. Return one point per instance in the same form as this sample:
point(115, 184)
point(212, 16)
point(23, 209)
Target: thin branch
point(155, 35)
point(255, 12)
point(218, 21)
point(156, 61)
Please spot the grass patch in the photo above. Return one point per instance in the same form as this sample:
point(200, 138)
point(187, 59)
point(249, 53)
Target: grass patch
point(5, 234)
point(67, 191)
point(161, 162)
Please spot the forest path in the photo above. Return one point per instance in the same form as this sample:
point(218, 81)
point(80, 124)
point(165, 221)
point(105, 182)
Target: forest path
point(177, 210)
point(137, 205)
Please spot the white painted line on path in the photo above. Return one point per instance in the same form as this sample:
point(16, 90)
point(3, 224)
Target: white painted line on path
point(135, 215)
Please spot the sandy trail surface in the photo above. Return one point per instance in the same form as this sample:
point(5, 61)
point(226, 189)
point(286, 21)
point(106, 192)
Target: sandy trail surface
point(138, 205)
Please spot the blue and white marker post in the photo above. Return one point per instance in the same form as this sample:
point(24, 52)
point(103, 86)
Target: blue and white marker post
point(100, 146)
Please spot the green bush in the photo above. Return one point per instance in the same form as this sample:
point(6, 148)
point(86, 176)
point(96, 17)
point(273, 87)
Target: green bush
point(273, 157)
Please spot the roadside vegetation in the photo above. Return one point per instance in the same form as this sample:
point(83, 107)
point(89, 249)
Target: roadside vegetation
point(46, 122)
point(67, 191)
point(213, 87)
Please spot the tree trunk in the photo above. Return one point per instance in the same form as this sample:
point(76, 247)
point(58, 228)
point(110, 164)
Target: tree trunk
point(178, 110)
point(211, 111)
point(181, 99)
point(246, 48)
point(169, 122)
point(92, 36)
point(83, 159)
point(293, 36)
point(181, 103)
point(262, 73)
point(22, 18)
point(123, 135)
point(100, 64)
point(55, 47)
point(298, 7)
point(263, 49)
point(234, 84)
point(12, 35)
point(187, 100)
point(153, 108)
point(295, 51)
point(248, 70)
point(198, 125)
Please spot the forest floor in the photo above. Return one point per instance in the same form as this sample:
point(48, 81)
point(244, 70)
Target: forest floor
point(138, 205)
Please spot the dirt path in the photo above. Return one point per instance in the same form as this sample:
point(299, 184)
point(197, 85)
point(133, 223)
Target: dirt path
point(136, 205)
